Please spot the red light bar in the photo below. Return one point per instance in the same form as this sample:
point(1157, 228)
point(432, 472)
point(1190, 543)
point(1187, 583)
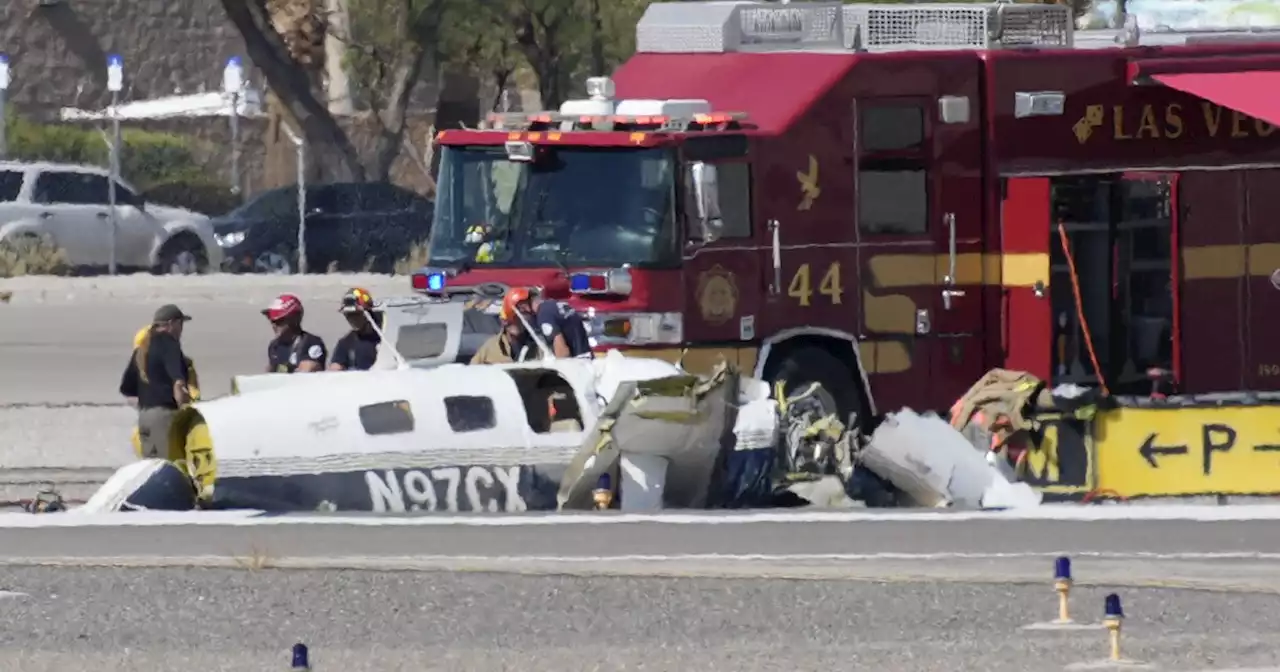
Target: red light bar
point(419, 281)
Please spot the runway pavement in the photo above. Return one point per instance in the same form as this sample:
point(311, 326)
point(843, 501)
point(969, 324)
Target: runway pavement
point(67, 340)
point(1242, 555)
point(900, 596)
point(64, 343)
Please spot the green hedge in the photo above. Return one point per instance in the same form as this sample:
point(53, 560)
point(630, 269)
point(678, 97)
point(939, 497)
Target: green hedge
point(147, 157)
point(162, 165)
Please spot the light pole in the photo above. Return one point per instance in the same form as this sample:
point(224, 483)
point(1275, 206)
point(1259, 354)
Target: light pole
point(115, 83)
point(232, 85)
point(300, 144)
point(4, 107)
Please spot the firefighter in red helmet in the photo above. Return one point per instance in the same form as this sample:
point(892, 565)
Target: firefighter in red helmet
point(293, 349)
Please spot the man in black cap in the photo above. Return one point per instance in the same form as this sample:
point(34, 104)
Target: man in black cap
point(157, 376)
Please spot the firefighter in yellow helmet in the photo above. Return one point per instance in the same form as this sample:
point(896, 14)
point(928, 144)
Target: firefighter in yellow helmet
point(358, 349)
point(193, 383)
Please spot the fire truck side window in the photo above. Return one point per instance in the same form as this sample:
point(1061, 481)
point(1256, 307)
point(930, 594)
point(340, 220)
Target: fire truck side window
point(893, 191)
point(734, 184)
point(891, 127)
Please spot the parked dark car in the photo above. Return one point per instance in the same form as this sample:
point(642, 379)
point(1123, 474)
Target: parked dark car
point(350, 227)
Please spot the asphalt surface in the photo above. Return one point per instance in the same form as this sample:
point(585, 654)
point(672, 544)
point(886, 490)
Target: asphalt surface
point(720, 534)
point(74, 354)
point(235, 620)
point(1225, 555)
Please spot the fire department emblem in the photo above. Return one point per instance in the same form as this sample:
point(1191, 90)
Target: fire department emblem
point(1275, 278)
point(717, 295)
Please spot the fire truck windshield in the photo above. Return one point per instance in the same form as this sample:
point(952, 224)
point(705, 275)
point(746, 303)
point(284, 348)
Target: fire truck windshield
point(572, 206)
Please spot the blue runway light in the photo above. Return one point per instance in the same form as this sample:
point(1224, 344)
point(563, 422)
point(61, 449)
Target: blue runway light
point(435, 282)
point(1112, 607)
point(1062, 568)
point(300, 658)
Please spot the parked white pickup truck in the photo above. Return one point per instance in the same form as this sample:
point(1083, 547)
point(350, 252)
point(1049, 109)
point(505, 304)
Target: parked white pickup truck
point(69, 204)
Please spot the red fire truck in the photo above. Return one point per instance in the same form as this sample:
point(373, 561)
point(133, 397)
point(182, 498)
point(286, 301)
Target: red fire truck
point(888, 200)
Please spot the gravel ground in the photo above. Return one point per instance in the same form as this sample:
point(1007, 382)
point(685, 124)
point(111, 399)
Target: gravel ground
point(110, 620)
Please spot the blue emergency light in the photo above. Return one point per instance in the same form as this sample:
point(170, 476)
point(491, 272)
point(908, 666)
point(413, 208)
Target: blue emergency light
point(616, 281)
point(435, 282)
point(300, 659)
point(1062, 568)
point(1111, 607)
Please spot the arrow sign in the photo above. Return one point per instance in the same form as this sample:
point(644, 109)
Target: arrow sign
point(1149, 450)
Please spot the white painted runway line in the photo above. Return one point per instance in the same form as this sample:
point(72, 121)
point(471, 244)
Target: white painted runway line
point(568, 560)
point(1049, 513)
point(10, 595)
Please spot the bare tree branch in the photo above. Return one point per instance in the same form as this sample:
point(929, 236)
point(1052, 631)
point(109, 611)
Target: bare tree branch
point(287, 79)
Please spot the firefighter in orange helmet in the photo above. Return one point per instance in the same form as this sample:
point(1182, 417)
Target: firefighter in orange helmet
point(559, 325)
point(511, 344)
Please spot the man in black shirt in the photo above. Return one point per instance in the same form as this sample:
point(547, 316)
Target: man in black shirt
point(358, 350)
point(157, 377)
point(292, 349)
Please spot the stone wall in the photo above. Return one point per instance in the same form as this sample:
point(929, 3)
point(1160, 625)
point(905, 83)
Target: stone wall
point(58, 49)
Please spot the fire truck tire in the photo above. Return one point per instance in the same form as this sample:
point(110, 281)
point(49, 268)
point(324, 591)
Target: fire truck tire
point(840, 387)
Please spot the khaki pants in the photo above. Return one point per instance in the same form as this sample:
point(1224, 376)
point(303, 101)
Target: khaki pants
point(153, 431)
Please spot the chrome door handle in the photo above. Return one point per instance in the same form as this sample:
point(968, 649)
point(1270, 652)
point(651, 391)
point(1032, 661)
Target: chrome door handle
point(46, 215)
point(949, 281)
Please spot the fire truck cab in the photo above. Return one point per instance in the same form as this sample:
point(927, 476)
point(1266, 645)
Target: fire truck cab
point(889, 200)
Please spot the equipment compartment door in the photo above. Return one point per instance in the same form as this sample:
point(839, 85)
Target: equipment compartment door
point(1027, 233)
point(1262, 286)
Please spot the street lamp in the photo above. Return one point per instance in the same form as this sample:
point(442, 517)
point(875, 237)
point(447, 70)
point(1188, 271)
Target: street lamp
point(4, 90)
point(300, 145)
point(115, 83)
point(232, 85)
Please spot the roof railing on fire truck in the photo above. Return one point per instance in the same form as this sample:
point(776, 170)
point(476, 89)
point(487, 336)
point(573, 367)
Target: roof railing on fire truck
point(600, 111)
point(555, 121)
point(716, 27)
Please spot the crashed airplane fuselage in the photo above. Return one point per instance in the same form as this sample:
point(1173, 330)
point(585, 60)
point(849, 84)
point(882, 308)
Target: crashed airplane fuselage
point(502, 438)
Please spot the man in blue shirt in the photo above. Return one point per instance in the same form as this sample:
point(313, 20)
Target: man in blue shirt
point(558, 324)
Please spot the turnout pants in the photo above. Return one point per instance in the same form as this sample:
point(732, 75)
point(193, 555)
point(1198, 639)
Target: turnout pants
point(153, 431)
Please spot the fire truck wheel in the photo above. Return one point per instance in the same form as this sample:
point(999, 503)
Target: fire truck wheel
point(838, 387)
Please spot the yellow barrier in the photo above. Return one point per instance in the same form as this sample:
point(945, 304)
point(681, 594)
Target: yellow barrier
point(1181, 451)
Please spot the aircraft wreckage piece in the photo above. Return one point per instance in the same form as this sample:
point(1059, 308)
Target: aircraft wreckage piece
point(502, 438)
point(934, 465)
